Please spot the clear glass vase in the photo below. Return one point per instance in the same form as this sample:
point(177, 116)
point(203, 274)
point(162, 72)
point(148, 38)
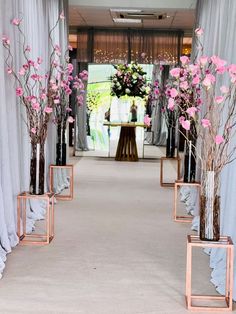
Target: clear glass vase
point(37, 169)
point(210, 208)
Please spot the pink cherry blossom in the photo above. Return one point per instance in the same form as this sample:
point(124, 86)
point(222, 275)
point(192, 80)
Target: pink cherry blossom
point(80, 99)
point(43, 96)
point(232, 69)
point(219, 139)
point(25, 66)
point(28, 48)
point(224, 89)
point(181, 119)
point(203, 60)
point(5, 40)
point(196, 80)
point(184, 85)
point(16, 21)
point(68, 109)
point(47, 109)
point(36, 106)
point(68, 91)
point(19, 91)
point(70, 67)
point(33, 130)
point(171, 104)
point(191, 111)
point(175, 72)
point(31, 63)
point(199, 31)
point(173, 92)
point(184, 60)
point(56, 101)
point(194, 68)
point(22, 71)
point(57, 49)
point(9, 70)
point(206, 123)
point(219, 99)
point(39, 60)
point(62, 16)
point(147, 120)
point(70, 119)
point(186, 124)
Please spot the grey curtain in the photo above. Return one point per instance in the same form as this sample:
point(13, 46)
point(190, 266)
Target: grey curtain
point(38, 17)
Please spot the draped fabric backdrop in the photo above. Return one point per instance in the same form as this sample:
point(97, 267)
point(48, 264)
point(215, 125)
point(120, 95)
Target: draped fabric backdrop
point(38, 17)
point(218, 19)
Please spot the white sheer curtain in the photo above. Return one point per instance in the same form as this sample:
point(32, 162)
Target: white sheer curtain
point(38, 18)
point(218, 19)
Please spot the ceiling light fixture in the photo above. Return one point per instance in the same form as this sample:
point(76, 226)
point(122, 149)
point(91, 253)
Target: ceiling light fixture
point(126, 10)
point(123, 20)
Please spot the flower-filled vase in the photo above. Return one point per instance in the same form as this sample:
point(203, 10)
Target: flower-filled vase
point(61, 145)
point(37, 169)
point(210, 208)
point(170, 142)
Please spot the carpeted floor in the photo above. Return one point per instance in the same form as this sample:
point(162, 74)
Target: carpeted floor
point(116, 249)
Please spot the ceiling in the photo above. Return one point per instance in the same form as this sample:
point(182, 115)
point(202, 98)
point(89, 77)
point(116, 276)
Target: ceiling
point(94, 13)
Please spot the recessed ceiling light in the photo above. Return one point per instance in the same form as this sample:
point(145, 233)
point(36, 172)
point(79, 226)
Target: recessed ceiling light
point(126, 10)
point(123, 20)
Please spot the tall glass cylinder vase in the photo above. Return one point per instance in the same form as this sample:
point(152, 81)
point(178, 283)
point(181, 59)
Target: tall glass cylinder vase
point(210, 208)
point(189, 161)
point(133, 111)
point(37, 169)
point(61, 145)
point(170, 143)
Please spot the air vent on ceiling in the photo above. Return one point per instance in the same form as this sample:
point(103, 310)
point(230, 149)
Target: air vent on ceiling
point(138, 14)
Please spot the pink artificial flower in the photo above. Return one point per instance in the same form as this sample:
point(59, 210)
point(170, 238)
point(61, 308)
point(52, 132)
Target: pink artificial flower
point(47, 109)
point(70, 47)
point(184, 85)
point(194, 69)
point(70, 67)
point(218, 62)
point(70, 119)
point(173, 92)
point(16, 21)
point(206, 123)
point(203, 60)
point(5, 40)
point(22, 71)
point(68, 91)
point(57, 49)
point(186, 124)
point(33, 130)
point(68, 109)
point(25, 66)
point(175, 72)
point(54, 87)
point(28, 48)
point(147, 120)
point(199, 31)
point(232, 69)
point(181, 119)
point(9, 70)
point(31, 63)
point(184, 60)
point(208, 80)
point(19, 91)
point(171, 104)
point(191, 111)
point(39, 60)
point(224, 89)
point(56, 101)
point(219, 99)
point(62, 16)
point(43, 96)
point(219, 139)
point(196, 80)
point(36, 106)
point(80, 100)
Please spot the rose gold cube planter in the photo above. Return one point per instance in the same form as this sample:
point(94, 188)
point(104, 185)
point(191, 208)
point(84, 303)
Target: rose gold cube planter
point(224, 242)
point(183, 218)
point(35, 238)
point(69, 196)
point(169, 184)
